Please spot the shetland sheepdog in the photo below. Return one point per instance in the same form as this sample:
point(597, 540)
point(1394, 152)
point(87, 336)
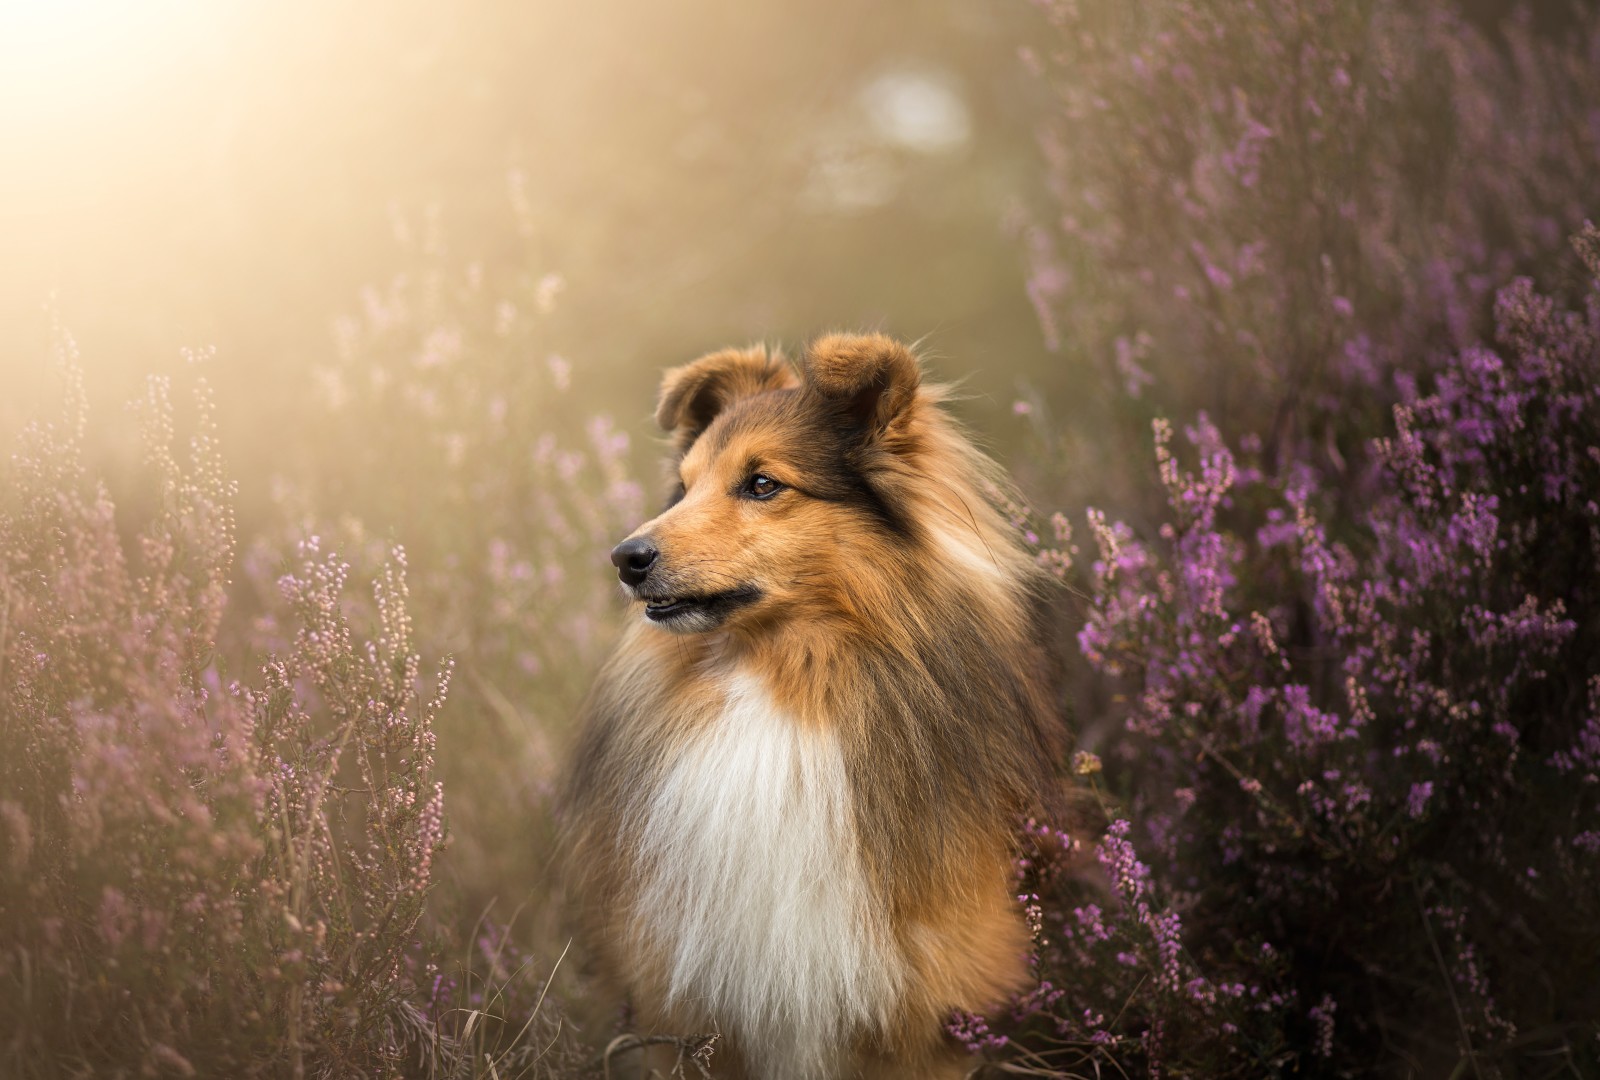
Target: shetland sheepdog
point(792, 811)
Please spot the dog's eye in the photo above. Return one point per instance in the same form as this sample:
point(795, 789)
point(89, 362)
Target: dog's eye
point(761, 486)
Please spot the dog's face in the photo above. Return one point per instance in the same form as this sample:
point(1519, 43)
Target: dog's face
point(782, 480)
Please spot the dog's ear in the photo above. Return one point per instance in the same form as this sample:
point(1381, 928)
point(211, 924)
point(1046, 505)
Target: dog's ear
point(693, 395)
point(870, 378)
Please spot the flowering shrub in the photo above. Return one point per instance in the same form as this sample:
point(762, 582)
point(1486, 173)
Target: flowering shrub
point(199, 876)
point(1116, 984)
point(1364, 763)
point(1357, 660)
point(447, 417)
point(1353, 648)
point(1263, 210)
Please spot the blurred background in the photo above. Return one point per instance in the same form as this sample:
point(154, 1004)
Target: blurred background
point(422, 266)
point(426, 251)
point(182, 174)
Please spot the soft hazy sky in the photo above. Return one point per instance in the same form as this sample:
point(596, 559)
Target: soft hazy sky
point(189, 173)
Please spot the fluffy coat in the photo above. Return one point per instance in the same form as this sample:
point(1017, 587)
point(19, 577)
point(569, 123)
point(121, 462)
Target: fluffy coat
point(791, 811)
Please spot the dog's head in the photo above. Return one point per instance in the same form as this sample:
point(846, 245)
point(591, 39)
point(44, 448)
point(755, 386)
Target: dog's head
point(784, 484)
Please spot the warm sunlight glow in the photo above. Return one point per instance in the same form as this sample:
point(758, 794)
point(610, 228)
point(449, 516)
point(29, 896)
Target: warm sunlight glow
point(90, 61)
point(414, 662)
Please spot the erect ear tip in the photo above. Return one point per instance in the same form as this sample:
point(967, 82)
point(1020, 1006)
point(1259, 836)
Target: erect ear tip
point(842, 365)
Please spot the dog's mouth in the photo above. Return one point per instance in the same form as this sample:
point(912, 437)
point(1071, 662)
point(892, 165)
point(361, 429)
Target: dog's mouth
point(695, 613)
point(661, 610)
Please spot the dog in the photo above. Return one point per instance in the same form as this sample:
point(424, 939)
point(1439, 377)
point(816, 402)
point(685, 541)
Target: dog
point(792, 808)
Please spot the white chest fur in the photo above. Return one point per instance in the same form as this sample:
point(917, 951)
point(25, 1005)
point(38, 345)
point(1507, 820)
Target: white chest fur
point(756, 893)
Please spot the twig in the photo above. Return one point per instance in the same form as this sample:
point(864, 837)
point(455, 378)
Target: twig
point(1300, 830)
point(698, 1049)
point(543, 990)
point(1444, 972)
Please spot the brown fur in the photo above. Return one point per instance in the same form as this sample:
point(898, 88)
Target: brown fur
point(894, 610)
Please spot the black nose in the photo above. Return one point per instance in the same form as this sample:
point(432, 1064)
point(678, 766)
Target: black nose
point(633, 559)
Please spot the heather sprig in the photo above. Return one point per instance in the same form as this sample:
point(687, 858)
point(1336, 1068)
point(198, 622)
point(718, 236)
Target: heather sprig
point(1371, 747)
point(1339, 639)
point(448, 417)
point(1267, 211)
point(200, 874)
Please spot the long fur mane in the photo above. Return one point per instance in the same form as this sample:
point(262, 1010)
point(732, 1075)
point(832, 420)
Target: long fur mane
point(917, 654)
